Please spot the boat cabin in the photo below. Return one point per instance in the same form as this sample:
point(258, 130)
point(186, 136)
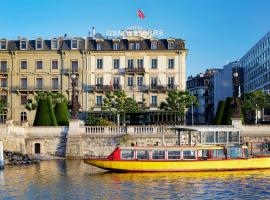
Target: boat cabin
point(179, 153)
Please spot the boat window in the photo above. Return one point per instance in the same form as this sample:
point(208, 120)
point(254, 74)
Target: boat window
point(172, 155)
point(246, 153)
point(157, 155)
point(127, 154)
point(218, 153)
point(142, 155)
point(189, 154)
point(235, 152)
point(204, 154)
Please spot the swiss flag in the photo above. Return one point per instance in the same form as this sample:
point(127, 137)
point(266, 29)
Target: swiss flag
point(140, 14)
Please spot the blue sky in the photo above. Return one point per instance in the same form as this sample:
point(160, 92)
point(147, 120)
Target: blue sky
point(216, 31)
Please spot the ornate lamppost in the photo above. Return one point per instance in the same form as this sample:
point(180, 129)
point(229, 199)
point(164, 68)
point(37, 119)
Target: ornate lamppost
point(74, 102)
point(236, 95)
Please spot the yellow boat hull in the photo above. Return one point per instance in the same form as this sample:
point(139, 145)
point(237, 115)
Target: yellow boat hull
point(181, 166)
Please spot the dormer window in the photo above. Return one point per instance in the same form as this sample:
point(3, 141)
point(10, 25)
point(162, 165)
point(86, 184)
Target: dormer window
point(153, 45)
point(54, 43)
point(74, 44)
point(3, 45)
point(131, 46)
point(23, 44)
point(137, 46)
point(99, 46)
point(39, 44)
point(170, 45)
point(116, 46)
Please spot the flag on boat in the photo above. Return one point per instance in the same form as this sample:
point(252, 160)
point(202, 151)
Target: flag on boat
point(140, 14)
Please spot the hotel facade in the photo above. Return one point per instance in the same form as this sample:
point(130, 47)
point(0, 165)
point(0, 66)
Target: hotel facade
point(146, 69)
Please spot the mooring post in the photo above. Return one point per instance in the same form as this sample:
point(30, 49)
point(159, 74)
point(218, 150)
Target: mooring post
point(1, 155)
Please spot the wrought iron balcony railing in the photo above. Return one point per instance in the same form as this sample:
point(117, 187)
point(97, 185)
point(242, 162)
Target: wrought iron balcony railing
point(139, 70)
point(36, 88)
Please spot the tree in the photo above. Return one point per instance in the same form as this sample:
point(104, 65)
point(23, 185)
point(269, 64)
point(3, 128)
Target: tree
point(2, 106)
point(61, 114)
point(219, 114)
point(252, 102)
point(228, 112)
point(45, 115)
point(119, 104)
point(179, 102)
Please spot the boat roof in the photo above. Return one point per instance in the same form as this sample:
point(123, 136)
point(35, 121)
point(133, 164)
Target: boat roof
point(198, 147)
point(204, 128)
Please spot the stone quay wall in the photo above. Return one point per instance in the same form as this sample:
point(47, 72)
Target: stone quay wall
point(82, 141)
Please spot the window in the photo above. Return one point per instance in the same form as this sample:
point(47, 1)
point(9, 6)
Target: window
point(99, 63)
point(39, 64)
point(116, 46)
point(170, 82)
point(139, 81)
point(99, 46)
point(23, 116)
point(116, 81)
point(54, 43)
point(3, 98)
point(171, 63)
point(130, 81)
point(23, 83)
point(3, 45)
point(131, 46)
point(54, 64)
point(137, 46)
point(55, 83)
point(173, 155)
point(154, 63)
point(39, 44)
point(98, 100)
point(74, 66)
point(158, 155)
point(143, 155)
point(99, 81)
point(23, 44)
point(3, 82)
point(116, 63)
point(234, 152)
point(218, 153)
point(154, 81)
point(23, 64)
point(127, 154)
point(3, 66)
point(39, 83)
point(140, 63)
point(130, 63)
point(23, 99)
point(154, 100)
point(189, 154)
point(153, 45)
point(170, 45)
point(74, 44)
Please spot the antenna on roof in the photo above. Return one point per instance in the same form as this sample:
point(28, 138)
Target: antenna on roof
point(93, 32)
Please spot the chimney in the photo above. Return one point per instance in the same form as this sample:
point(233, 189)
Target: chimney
point(93, 32)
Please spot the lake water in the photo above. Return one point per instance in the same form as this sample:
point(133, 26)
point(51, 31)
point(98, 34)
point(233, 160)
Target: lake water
point(60, 179)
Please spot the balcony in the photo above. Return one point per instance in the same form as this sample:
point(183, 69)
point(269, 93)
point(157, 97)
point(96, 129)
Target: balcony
point(137, 70)
point(163, 88)
point(70, 71)
point(104, 88)
point(36, 88)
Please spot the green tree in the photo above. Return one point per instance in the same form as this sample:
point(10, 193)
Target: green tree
point(119, 104)
point(45, 115)
point(219, 114)
point(252, 102)
point(2, 106)
point(228, 112)
point(61, 114)
point(179, 102)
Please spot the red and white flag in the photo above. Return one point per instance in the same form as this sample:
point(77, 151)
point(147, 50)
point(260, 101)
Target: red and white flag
point(140, 14)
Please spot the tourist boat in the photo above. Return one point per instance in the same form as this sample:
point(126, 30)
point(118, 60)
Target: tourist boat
point(180, 159)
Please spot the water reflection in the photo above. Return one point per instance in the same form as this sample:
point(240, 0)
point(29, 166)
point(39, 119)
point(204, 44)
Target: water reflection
point(76, 180)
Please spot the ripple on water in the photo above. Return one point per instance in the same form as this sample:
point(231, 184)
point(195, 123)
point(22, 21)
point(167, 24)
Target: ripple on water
point(75, 180)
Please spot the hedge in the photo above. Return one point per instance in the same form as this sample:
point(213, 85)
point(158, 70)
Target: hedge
point(45, 114)
point(61, 114)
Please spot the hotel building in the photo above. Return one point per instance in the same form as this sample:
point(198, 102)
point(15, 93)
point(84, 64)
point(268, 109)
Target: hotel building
point(145, 68)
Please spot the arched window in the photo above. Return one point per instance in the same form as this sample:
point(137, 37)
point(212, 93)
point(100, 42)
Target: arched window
point(23, 116)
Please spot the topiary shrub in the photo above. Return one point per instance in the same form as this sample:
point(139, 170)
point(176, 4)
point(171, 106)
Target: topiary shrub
point(219, 114)
point(61, 114)
point(45, 114)
point(228, 112)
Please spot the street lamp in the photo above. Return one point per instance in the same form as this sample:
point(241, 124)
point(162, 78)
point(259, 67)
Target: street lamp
point(236, 95)
point(74, 103)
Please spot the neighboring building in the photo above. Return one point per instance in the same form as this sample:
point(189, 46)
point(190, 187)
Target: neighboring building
point(200, 87)
point(225, 84)
point(256, 64)
point(146, 69)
